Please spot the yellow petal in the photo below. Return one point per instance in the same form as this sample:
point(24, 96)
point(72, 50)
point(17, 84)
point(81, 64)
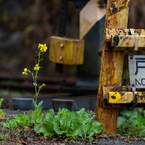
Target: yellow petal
point(25, 69)
point(35, 68)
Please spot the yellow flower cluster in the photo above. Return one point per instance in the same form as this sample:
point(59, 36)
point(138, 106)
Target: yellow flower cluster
point(25, 71)
point(36, 67)
point(42, 47)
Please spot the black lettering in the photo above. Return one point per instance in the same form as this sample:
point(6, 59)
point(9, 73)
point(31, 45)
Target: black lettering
point(143, 79)
point(137, 66)
point(136, 81)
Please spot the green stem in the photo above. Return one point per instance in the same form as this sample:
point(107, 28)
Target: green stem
point(37, 91)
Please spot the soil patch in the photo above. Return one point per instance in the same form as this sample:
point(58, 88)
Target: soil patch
point(29, 137)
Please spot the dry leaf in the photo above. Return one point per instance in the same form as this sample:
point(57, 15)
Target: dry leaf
point(136, 130)
point(46, 137)
point(126, 128)
point(2, 117)
point(27, 128)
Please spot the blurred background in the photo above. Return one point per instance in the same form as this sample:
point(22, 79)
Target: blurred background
point(26, 23)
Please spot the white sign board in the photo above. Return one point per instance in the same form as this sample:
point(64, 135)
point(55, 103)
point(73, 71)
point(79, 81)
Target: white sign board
point(137, 71)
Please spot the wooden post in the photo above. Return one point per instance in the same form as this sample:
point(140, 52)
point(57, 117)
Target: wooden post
point(111, 63)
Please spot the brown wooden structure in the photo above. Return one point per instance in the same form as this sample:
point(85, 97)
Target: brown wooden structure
point(117, 39)
point(111, 63)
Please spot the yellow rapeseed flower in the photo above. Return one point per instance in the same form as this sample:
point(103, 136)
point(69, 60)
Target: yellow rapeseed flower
point(36, 67)
point(25, 71)
point(42, 47)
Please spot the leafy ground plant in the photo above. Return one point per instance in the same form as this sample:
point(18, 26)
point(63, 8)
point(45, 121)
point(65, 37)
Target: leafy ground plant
point(131, 123)
point(66, 124)
point(2, 113)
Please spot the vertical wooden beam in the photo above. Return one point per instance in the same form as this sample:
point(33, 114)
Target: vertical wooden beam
point(111, 63)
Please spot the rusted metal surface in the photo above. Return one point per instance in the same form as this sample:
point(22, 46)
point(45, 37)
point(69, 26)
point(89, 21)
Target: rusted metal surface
point(127, 41)
point(121, 95)
point(117, 13)
point(121, 39)
point(121, 31)
point(66, 51)
point(111, 64)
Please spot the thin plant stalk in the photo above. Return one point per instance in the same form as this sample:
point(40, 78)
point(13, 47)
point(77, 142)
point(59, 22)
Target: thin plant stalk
point(37, 91)
point(42, 48)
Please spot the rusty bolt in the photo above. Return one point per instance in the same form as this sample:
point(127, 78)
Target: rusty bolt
point(61, 45)
point(60, 58)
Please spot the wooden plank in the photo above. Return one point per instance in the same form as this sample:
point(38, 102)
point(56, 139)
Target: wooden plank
point(111, 64)
point(66, 51)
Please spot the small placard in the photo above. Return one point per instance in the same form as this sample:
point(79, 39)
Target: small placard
point(137, 71)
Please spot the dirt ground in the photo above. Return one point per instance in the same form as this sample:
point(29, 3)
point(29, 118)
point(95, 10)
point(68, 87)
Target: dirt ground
point(33, 139)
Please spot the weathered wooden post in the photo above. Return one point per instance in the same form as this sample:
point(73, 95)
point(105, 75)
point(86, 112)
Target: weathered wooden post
point(111, 63)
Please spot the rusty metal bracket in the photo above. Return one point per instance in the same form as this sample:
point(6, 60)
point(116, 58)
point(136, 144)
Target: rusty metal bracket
point(126, 39)
point(136, 39)
point(122, 97)
point(134, 102)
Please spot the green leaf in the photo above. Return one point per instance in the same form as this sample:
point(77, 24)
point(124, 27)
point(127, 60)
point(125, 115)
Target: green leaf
point(18, 118)
point(12, 124)
point(37, 128)
point(29, 71)
point(1, 100)
point(65, 123)
point(129, 114)
point(75, 131)
point(74, 117)
point(39, 108)
point(22, 119)
point(32, 116)
point(121, 121)
point(50, 115)
point(34, 103)
point(133, 115)
point(40, 118)
point(90, 138)
point(2, 112)
point(57, 128)
point(40, 87)
point(4, 124)
point(46, 129)
point(80, 112)
point(140, 120)
point(96, 128)
point(62, 112)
